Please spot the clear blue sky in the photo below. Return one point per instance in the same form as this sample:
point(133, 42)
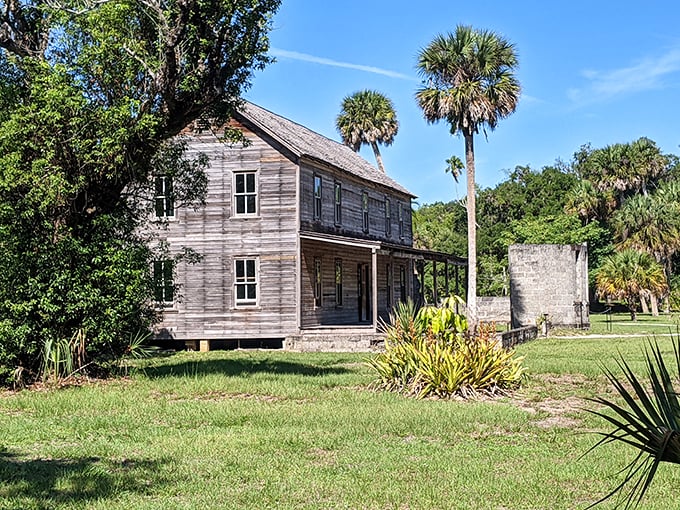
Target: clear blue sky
point(591, 71)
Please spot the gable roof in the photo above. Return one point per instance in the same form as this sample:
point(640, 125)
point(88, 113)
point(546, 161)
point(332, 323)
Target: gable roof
point(302, 141)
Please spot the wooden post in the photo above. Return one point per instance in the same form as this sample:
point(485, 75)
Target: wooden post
point(446, 277)
point(435, 301)
point(205, 345)
point(374, 278)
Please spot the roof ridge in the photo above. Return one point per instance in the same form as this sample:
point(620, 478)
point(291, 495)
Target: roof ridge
point(303, 141)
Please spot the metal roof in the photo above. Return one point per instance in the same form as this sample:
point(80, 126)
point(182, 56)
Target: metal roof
point(304, 142)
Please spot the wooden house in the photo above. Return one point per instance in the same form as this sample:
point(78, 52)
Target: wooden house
point(304, 243)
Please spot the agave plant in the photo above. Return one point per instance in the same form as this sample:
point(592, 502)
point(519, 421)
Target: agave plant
point(648, 420)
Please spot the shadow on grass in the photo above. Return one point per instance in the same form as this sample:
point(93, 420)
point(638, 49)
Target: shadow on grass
point(240, 367)
point(28, 483)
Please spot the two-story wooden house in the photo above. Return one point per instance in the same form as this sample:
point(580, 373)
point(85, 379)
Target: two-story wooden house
point(304, 243)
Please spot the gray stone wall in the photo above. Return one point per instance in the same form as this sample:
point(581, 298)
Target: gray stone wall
point(493, 309)
point(549, 279)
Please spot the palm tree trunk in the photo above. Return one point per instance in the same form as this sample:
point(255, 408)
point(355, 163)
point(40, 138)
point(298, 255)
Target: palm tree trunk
point(655, 305)
point(471, 231)
point(643, 301)
point(378, 157)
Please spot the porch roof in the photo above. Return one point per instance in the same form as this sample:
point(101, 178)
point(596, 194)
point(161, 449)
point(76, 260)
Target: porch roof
point(398, 250)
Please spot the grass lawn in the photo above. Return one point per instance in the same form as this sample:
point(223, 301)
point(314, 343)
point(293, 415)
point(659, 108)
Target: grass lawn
point(620, 324)
point(272, 429)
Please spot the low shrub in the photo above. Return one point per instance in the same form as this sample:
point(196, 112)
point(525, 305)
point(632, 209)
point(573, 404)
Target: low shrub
point(429, 352)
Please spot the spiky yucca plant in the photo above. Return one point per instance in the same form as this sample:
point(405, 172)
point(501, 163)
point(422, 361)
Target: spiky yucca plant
point(648, 420)
point(428, 352)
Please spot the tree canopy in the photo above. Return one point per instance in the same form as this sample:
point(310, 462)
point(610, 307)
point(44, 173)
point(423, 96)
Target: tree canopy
point(367, 117)
point(469, 82)
point(92, 94)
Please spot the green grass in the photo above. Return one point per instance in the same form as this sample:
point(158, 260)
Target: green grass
point(267, 429)
point(620, 324)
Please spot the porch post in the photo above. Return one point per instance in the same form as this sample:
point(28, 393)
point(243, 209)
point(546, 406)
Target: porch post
point(374, 263)
point(446, 278)
point(434, 283)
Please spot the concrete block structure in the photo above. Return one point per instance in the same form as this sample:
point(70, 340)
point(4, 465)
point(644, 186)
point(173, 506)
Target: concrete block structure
point(549, 281)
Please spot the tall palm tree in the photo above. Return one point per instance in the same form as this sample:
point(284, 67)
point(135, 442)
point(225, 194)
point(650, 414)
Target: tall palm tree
point(628, 273)
point(367, 117)
point(469, 83)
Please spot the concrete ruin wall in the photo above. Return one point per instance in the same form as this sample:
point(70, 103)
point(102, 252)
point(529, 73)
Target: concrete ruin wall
point(549, 279)
point(493, 309)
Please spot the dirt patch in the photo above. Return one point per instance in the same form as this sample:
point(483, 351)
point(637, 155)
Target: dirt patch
point(553, 411)
point(322, 457)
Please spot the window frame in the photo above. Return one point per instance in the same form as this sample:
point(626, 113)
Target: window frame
point(246, 194)
point(388, 217)
point(247, 282)
point(365, 218)
point(338, 283)
point(337, 198)
point(164, 282)
point(317, 197)
point(318, 282)
point(402, 284)
point(390, 286)
point(400, 213)
point(164, 201)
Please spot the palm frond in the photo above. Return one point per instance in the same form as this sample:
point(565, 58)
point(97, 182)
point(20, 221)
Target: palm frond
point(648, 420)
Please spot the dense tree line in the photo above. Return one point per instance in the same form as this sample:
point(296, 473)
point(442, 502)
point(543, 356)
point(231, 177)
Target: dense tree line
point(623, 196)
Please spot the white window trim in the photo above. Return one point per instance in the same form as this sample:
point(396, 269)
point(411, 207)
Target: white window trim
point(234, 212)
point(365, 212)
point(165, 304)
point(317, 199)
point(164, 197)
point(402, 227)
point(247, 303)
point(318, 282)
point(337, 203)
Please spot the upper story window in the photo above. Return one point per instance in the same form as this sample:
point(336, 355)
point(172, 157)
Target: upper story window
point(245, 193)
point(163, 284)
point(317, 197)
point(364, 210)
point(246, 281)
point(164, 202)
point(338, 203)
point(388, 217)
point(401, 220)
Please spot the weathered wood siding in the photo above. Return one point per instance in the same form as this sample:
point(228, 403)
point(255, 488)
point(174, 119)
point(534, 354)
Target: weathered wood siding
point(206, 308)
point(330, 313)
point(352, 214)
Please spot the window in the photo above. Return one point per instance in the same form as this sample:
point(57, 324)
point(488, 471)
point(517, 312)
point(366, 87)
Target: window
point(317, 197)
point(364, 210)
point(388, 217)
point(163, 199)
point(338, 282)
point(245, 283)
point(163, 285)
point(245, 193)
point(401, 221)
point(317, 283)
point(338, 203)
point(390, 284)
point(402, 284)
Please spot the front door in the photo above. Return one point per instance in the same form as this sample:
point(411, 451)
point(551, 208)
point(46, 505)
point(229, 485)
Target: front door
point(364, 286)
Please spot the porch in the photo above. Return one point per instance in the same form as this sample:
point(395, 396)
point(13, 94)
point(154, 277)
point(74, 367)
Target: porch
point(348, 285)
